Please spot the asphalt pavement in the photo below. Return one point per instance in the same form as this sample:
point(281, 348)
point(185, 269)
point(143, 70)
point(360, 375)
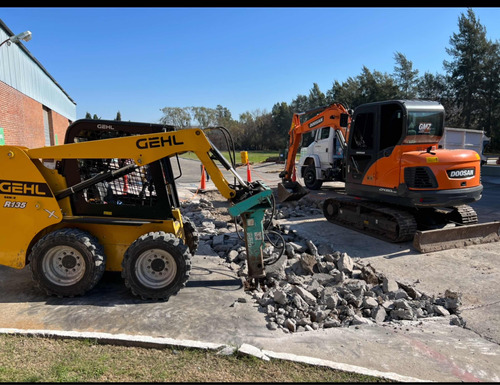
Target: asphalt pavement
point(213, 311)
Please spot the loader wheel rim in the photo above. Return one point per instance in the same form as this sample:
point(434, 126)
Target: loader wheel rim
point(63, 265)
point(155, 268)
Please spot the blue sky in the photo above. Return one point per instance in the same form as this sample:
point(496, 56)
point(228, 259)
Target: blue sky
point(139, 60)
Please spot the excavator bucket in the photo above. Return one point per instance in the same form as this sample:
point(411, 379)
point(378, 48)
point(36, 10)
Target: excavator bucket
point(456, 237)
point(290, 191)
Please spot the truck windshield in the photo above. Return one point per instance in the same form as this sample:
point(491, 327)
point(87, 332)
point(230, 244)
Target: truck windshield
point(424, 127)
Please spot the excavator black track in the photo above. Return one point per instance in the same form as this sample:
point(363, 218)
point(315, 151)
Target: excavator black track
point(430, 229)
point(381, 221)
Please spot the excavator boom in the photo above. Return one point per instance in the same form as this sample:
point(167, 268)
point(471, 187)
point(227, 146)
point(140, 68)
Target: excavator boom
point(334, 115)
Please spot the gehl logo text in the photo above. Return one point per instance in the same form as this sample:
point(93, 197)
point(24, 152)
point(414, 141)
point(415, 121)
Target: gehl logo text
point(24, 188)
point(157, 141)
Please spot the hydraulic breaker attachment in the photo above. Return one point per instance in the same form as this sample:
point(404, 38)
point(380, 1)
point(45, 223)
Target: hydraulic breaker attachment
point(456, 237)
point(252, 211)
point(290, 191)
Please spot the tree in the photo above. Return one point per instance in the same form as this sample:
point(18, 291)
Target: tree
point(282, 120)
point(346, 92)
point(365, 88)
point(300, 104)
point(490, 94)
point(176, 116)
point(431, 87)
point(466, 68)
point(206, 117)
point(316, 98)
point(405, 76)
point(118, 116)
point(223, 116)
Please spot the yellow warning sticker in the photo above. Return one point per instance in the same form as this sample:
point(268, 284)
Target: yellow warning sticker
point(432, 159)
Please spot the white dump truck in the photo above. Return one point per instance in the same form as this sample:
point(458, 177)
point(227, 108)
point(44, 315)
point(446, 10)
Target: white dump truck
point(461, 138)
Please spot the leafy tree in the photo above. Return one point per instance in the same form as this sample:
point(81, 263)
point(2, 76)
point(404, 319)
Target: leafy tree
point(365, 88)
point(405, 76)
point(468, 51)
point(300, 104)
point(346, 92)
point(206, 117)
point(223, 116)
point(431, 87)
point(490, 95)
point(316, 98)
point(282, 119)
point(176, 116)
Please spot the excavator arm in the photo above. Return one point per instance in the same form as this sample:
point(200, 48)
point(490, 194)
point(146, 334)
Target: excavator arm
point(335, 116)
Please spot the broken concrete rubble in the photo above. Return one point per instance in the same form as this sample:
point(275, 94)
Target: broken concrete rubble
point(310, 287)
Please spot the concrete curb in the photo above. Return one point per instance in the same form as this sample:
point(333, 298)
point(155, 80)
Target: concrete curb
point(162, 342)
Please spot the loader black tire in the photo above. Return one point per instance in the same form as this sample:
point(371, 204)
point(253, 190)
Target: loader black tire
point(192, 236)
point(156, 266)
point(67, 262)
point(310, 180)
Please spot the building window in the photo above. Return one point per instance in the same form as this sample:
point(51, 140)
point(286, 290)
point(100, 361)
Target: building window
point(48, 127)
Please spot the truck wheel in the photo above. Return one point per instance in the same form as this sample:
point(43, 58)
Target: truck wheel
point(310, 179)
point(67, 262)
point(156, 266)
point(192, 236)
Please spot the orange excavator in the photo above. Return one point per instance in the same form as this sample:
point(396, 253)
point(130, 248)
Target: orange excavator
point(399, 185)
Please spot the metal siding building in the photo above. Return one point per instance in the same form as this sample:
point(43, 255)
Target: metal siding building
point(23, 74)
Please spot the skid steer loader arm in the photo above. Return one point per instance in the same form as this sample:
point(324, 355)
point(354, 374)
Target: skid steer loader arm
point(250, 200)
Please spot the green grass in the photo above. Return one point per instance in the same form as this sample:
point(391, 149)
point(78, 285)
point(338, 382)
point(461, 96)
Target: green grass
point(37, 359)
point(253, 156)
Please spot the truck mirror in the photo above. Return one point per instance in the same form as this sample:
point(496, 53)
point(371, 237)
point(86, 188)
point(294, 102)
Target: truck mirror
point(343, 120)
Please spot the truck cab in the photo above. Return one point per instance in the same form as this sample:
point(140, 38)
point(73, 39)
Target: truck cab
point(321, 157)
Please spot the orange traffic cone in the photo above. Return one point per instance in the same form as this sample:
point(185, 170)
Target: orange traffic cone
point(249, 176)
point(203, 184)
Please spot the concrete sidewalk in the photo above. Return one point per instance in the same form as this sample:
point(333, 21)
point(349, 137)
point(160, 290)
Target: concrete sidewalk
point(214, 311)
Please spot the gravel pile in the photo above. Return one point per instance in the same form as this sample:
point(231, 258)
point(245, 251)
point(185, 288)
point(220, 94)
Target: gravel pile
point(308, 286)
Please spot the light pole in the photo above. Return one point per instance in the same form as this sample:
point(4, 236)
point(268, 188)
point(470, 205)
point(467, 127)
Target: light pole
point(26, 36)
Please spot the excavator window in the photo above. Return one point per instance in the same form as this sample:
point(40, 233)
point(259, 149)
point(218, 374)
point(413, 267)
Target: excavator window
point(391, 125)
point(363, 132)
point(424, 127)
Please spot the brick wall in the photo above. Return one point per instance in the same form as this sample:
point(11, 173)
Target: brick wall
point(22, 119)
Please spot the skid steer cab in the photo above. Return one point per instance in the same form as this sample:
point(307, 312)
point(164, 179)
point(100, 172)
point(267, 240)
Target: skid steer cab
point(106, 200)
